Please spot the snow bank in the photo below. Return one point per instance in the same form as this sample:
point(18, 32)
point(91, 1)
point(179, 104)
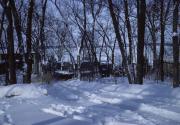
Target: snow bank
point(22, 91)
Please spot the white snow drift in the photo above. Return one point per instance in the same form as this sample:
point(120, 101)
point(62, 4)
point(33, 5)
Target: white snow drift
point(22, 91)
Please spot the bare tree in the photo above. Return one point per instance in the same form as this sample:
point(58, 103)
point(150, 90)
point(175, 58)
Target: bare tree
point(141, 9)
point(42, 20)
point(152, 17)
point(2, 44)
point(119, 39)
point(1, 29)
point(163, 18)
point(128, 26)
point(29, 41)
point(176, 44)
point(10, 39)
point(17, 23)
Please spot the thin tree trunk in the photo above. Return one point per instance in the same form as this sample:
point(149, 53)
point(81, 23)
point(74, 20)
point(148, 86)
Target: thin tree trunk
point(128, 26)
point(154, 50)
point(17, 24)
point(176, 81)
point(2, 47)
point(152, 30)
point(84, 28)
point(28, 41)
point(119, 39)
point(161, 56)
point(18, 28)
point(42, 37)
point(11, 56)
point(1, 29)
point(113, 49)
point(92, 42)
point(141, 9)
point(163, 18)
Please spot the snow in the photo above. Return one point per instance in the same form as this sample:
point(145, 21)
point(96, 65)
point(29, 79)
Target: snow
point(63, 110)
point(1, 112)
point(102, 102)
point(175, 34)
point(160, 111)
point(22, 91)
point(63, 72)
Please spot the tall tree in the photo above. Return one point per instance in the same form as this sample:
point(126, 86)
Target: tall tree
point(176, 43)
point(40, 42)
point(163, 18)
point(94, 14)
point(17, 24)
point(128, 26)
point(152, 16)
point(2, 45)
point(84, 48)
point(129, 30)
point(1, 29)
point(161, 56)
point(141, 9)
point(29, 41)
point(42, 20)
point(119, 39)
point(18, 28)
point(10, 47)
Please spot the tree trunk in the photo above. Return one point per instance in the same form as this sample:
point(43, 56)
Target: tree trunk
point(176, 81)
point(161, 56)
point(141, 9)
point(128, 26)
point(152, 29)
point(119, 39)
point(154, 50)
point(18, 28)
point(1, 29)
point(28, 42)
point(113, 49)
point(11, 56)
point(42, 20)
point(17, 24)
point(2, 48)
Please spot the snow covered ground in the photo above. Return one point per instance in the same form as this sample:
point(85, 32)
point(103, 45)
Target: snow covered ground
point(101, 102)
